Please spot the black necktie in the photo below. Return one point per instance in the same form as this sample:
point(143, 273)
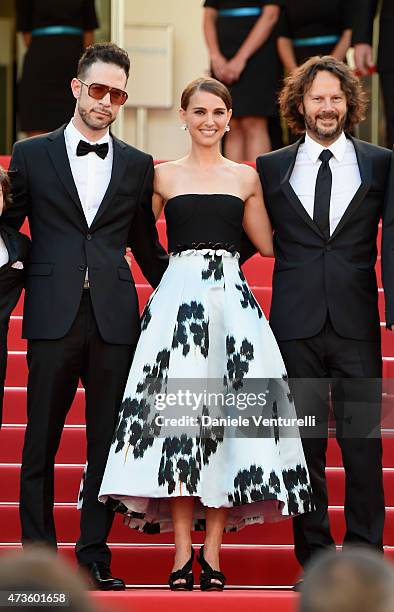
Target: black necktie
point(321, 209)
point(84, 148)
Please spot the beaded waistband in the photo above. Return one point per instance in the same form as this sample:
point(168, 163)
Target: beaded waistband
point(204, 246)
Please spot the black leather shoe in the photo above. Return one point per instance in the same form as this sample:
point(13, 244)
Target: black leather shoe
point(102, 579)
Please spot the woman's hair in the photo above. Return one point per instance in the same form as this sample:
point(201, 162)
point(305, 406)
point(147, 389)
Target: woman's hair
point(5, 185)
point(299, 82)
point(209, 85)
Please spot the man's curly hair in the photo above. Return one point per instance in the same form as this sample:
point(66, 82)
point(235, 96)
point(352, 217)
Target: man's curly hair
point(298, 83)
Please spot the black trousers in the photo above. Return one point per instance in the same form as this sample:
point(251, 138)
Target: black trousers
point(55, 367)
point(11, 282)
point(351, 371)
point(387, 83)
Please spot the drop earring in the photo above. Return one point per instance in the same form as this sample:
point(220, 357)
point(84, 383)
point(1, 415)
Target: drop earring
point(227, 128)
point(184, 127)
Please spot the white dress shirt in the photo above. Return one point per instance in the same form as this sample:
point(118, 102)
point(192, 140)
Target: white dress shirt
point(3, 252)
point(91, 173)
point(345, 175)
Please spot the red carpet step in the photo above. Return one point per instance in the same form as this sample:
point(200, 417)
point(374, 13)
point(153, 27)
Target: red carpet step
point(17, 366)
point(73, 447)
point(67, 479)
point(262, 294)
point(67, 527)
point(144, 600)
point(264, 566)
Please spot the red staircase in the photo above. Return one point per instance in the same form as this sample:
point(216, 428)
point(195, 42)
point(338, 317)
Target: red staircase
point(258, 561)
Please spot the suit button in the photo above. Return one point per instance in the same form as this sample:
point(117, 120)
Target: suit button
point(88, 236)
point(82, 268)
point(328, 247)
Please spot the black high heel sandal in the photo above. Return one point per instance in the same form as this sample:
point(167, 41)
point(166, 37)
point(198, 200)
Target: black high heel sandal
point(208, 575)
point(186, 574)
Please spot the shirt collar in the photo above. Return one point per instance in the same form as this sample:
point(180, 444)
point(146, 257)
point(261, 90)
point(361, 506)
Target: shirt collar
point(314, 149)
point(73, 136)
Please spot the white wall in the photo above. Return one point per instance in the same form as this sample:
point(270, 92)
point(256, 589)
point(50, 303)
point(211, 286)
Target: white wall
point(165, 139)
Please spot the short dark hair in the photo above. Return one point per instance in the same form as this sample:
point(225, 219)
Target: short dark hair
point(298, 83)
point(5, 185)
point(108, 53)
point(206, 84)
point(356, 580)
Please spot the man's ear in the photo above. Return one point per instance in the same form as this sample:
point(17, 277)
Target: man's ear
point(76, 87)
point(301, 108)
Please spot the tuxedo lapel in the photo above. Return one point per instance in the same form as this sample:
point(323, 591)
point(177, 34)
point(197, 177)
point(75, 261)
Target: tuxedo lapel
point(365, 167)
point(119, 164)
point(286, 169)
point(58, 154)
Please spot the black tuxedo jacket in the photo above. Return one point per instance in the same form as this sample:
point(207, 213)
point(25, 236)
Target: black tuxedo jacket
point(11, 279)
point(363, 25)
point(63, 245)
point(314, 277)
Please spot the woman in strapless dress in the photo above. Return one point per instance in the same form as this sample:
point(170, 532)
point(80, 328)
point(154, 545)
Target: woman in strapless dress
point(190, 450)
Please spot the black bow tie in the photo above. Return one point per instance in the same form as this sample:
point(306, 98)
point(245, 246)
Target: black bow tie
point(84, 148)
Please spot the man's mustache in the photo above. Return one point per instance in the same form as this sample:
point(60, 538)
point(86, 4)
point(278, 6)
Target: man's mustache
point(331, 115)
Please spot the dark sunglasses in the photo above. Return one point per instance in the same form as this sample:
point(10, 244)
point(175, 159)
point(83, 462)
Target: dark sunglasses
point(98, 91)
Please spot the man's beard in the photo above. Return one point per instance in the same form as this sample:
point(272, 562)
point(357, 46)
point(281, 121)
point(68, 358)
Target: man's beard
point(90, 123)
point(325, 133)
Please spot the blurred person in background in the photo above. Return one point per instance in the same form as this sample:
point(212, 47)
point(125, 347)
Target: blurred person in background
point(357, 580)
point(55, 34)
point(307, 28)
point(38, 570)
point(241, 40)
point(14, 249)
point(363, 55)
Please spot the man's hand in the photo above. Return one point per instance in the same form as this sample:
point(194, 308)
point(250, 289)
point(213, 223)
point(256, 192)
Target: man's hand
point(128, 256)
point(392, 328)
point(363, 58)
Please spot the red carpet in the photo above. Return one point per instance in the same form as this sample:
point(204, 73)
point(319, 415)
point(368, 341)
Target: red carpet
point(259, 556)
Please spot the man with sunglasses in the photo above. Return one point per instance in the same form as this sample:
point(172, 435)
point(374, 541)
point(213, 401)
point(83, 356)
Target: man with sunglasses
point(87, 196)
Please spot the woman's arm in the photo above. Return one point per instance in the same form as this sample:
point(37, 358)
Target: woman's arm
point(88, 36)
point(158, 199)
point(26, 37)
point(343, 44)
point(256, 222)
point(256, 38)
point(286, 53)
point(157, 204)
point(218, 61)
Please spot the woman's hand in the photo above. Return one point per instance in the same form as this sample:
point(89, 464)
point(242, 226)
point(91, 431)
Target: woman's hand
point(233, 69)
point(218, 65)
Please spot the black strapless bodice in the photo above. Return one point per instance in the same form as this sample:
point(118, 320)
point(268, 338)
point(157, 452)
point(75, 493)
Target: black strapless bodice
point(204, 221)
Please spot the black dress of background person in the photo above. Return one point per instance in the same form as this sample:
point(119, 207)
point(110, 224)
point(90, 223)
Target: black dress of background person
point(45, 100)
point(254, 94)
point(105, 318)
point(362, 33)
point(11, 283)
point(325, 302)
point(314, 28)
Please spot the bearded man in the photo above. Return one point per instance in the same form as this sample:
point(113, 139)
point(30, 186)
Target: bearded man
point(325, 195)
